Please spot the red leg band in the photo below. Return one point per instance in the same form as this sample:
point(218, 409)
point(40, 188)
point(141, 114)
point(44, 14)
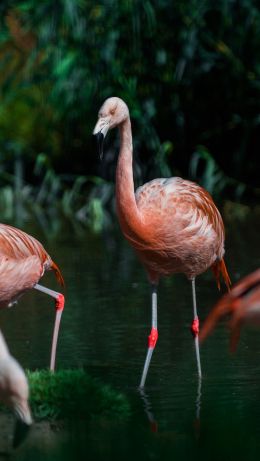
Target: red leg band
point(59, 302)
point(152, 338)
point(195, 327)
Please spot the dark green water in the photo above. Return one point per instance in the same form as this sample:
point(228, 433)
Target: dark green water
point(105, 326)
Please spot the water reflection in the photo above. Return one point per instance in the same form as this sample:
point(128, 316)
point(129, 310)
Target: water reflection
point(153, 422)
point(198, 406)
point(104, 329)
point(148, 410)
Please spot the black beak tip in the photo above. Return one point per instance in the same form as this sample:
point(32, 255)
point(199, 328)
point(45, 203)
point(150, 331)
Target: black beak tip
point(100, 142)
point(20, 433)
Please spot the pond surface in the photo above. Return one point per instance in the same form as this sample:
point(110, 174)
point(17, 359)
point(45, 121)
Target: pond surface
point(104, 329)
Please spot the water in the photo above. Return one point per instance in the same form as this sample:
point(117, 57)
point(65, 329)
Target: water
point(104, 329)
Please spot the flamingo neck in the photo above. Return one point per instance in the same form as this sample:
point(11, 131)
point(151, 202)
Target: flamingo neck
point(125, 195)
point(4, 352)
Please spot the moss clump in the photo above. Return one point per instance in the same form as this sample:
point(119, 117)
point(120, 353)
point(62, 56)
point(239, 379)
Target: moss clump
point(73, 393)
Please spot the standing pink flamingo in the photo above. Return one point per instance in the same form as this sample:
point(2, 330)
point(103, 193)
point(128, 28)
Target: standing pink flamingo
point(173, 224)
point(242, 303)
point(14, 391)
point(23, 261)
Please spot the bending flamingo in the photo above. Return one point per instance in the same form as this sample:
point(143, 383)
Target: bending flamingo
point(14, 390)
point(242, 303)
point(173, 224)
point(23, 261)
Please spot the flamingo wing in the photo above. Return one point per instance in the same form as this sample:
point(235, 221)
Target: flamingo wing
point(18, 276)
point(184, 203)
point(19, 245)
point(183, 221)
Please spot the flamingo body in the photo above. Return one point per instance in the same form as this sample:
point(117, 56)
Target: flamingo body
point(14, 390)
point(23, 261)
point(173, 224)
point(184, 229)
point(242, 303)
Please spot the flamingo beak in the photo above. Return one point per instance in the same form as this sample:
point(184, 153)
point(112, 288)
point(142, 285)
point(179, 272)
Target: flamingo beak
point(21, 432)
point(100, 132)
point(100, 142)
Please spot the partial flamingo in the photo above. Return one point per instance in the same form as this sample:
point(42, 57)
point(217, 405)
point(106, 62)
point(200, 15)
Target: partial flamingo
point(242, 303)
point(14, 390)
point(173, 224)
point(23, 261)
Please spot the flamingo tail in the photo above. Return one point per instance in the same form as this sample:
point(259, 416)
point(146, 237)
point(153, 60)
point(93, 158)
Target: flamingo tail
point(58, 274)
point(219, 269)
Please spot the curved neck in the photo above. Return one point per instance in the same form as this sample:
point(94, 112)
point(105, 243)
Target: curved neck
point(4, 352)
point(128, 213)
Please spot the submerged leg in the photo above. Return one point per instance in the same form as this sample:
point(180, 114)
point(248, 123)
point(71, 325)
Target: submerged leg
point(195, 327)
point(148, 410)
point(152, 338)
point(59, 305)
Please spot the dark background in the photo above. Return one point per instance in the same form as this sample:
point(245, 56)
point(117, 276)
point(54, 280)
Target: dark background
point(188, 70)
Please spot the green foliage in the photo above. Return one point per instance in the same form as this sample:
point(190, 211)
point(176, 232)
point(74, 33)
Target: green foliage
point(73, 394)
point(85, 201)
point(211, 177)
point(189, 71)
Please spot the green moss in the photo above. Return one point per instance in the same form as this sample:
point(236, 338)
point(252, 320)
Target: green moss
point(73, 393)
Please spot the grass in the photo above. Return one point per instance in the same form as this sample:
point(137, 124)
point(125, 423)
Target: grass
point(68, 394)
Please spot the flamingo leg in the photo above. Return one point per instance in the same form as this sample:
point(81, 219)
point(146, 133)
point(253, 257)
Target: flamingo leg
point(195, 327)
point(152, 338)
point(59, 305)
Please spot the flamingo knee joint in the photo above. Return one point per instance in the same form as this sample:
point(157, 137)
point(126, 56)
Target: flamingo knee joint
point(152, 338)
point(59, 302)
point(195, 327)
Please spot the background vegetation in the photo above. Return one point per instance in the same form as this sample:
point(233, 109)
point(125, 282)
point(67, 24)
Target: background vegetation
point(73, 393)
point(189, 71)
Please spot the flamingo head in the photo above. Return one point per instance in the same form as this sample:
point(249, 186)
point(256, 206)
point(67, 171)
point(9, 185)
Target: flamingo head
point(113, 112)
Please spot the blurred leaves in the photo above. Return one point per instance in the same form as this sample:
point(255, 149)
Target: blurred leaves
point(211, 178)
point(189, 71)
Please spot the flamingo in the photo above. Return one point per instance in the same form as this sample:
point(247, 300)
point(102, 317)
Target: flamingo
point(14, 390)
point(23, 261)
point(173, 224)
point(242, 303)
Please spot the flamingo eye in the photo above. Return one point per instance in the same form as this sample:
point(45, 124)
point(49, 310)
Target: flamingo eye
point(112, 111)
